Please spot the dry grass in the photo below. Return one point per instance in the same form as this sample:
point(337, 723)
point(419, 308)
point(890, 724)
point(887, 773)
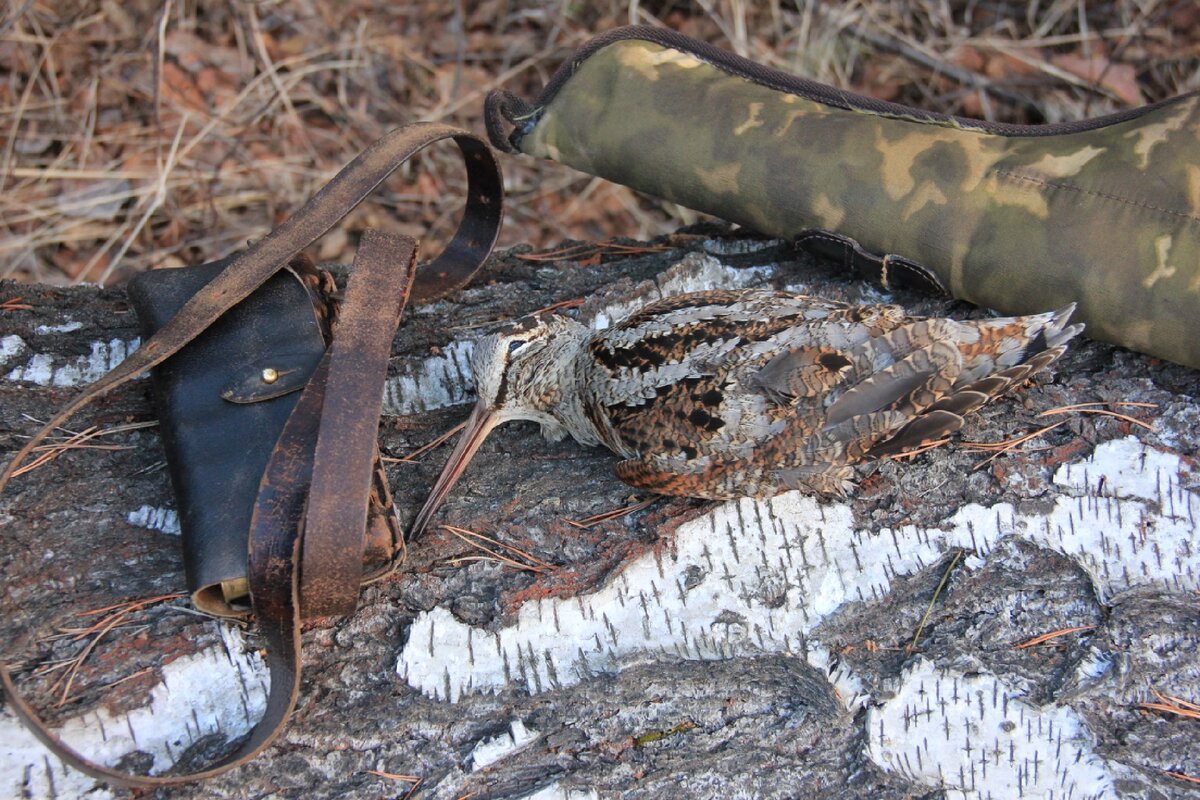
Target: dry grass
point(912, 647)
point(154, 133)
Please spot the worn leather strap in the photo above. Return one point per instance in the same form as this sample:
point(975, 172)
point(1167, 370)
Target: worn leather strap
point(314, 492)
point(313, 496)
point(336, 518)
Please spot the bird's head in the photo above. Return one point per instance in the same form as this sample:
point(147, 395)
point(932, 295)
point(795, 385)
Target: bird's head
point(519, 373)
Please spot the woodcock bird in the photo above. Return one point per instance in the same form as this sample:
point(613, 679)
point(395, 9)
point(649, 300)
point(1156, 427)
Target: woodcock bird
point(725, 394)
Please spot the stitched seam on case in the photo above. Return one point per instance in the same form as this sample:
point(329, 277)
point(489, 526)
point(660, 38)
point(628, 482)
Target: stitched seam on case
point(1102, 195)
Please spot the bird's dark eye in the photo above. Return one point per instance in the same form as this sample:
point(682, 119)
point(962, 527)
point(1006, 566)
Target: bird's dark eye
point(515, 345)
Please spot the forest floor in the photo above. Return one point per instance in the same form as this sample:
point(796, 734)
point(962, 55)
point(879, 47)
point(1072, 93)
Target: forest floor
point(156, 133)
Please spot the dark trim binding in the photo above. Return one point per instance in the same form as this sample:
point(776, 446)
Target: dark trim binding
point(890, 271)
point(500, 107)
point(779, 81)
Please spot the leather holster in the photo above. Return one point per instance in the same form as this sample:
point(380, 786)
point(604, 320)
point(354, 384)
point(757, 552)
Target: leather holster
point(222, 403)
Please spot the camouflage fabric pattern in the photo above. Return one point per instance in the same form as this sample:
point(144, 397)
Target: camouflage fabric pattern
point(1108, 217)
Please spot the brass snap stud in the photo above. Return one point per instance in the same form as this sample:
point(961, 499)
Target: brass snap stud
point(270, 375)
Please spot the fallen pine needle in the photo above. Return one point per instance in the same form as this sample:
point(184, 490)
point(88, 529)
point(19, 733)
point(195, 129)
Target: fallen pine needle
point(507, 562)
point(605, 516)
point(1166, 708)
point(1087, 408)
point(998, 449)
point(412, 457)
point(916, 451)
point(133, 605)
point(575, 252)
point(1052, 635)
point(48, 667)
point(936, 593)
point(15, 304)
point(137, 674)
point(1166, 698)
point(1172, 705)
point(79, 441)
point(476, 540)
point(97, 631)
point(1007, 444)
point(1181, 776)
point(574, 302)
point(498, 543)
point(1095, 403)
point(415, 780)
point(392, 776)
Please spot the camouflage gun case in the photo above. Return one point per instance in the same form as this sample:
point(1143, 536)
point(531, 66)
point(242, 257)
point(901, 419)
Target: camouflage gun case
point(1103, 212)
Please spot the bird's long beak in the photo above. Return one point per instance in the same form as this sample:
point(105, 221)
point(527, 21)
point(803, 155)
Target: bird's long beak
point(479, 425)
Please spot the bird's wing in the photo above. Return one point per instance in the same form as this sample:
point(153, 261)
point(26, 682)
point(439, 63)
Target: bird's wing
point(798, 408)
point(668, 376)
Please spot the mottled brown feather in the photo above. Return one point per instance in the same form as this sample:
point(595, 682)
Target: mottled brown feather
point(807, 389)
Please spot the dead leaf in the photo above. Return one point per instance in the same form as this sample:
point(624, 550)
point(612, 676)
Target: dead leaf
point(179, 88)
point(880, 80)
point(72, 263)
point(1118, 79)
point(1005, 66)
point(98, 200)
point(969, 58)
point(972, 105)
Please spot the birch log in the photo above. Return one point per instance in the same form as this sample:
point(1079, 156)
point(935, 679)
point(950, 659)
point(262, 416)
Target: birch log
point(877, 647)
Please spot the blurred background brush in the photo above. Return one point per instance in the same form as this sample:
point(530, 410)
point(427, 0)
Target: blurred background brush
point(138, 135)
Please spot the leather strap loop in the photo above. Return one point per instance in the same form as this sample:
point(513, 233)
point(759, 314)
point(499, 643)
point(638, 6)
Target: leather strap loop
point(310, 513)
point(461, 259)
